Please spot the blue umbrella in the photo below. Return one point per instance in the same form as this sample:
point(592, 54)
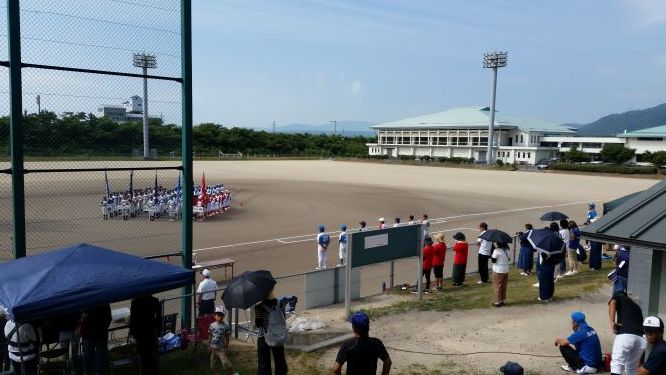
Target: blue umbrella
point(553, 216)
point(546, 241)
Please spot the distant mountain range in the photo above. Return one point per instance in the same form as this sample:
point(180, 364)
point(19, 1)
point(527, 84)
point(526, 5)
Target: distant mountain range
point(629, 121)
point(347, 128)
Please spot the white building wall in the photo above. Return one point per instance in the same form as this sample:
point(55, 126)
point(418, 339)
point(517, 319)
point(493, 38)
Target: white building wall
point(642, 146)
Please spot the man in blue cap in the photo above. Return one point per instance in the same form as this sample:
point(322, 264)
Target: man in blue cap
point(512, 368)
point(585, 358)
point(323, 239)
point(342, 239)
point(362, 351)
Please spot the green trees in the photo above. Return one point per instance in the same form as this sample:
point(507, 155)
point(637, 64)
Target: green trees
point(616, 153)
point(658, 159)
point(47, 134)
point(576, 156)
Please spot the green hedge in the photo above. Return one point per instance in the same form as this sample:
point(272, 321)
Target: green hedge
point(603, 168)
point(455, 160)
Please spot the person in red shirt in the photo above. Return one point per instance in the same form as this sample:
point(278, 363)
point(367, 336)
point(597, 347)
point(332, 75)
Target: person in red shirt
point(439, 254)
point(428, 253)
point(460, 248)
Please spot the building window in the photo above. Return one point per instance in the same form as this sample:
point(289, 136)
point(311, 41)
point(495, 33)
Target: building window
point(423, 140)
point(484, 141)
point(516, 138)
point(521, 139)
point(529, 155)
point(442, 141)
point(475, 141)
point(389, 140)
point(462, 141)
point(591, 145)
point(454, 141)
point(650, 139)
point(499, 154)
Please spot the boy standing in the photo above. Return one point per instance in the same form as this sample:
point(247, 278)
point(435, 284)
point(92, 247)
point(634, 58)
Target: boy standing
point(220, 333)
point(342, 238)
point(323, 240)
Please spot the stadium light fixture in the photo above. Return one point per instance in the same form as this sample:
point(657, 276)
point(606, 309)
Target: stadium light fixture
point(145, 61)
point(494, 61)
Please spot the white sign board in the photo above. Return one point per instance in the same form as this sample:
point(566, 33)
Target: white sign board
point(379, 240)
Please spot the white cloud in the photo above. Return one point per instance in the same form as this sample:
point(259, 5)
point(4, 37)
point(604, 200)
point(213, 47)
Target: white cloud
point(356, 87)
point(649, 13)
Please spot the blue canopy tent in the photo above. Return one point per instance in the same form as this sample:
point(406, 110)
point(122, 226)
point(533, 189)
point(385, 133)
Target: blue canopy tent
point(79, 277)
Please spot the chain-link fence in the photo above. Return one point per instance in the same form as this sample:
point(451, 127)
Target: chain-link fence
point(97, 80)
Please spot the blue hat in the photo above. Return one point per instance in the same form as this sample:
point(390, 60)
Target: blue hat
point(321, 228)
point(512, 368)
point(360, 319)
point(578, 317)
point(343, 227)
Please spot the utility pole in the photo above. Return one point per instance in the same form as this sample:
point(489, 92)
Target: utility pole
point(273, 126)
point(494, 61)
point(39, 104)
point(335, 126)
point(145, 61)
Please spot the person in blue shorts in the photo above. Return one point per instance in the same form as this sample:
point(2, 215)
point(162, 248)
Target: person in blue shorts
point(582, 349)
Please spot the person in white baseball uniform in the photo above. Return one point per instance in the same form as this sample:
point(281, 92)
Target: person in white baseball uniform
point(323, 239)
point(206, 294)
point(342, 238)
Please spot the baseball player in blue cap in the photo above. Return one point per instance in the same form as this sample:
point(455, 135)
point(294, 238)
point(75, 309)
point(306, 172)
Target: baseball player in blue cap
point(323, 239)
point(342, 239)
point(582, 349)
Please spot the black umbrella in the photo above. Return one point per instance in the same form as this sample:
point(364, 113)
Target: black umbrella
point(248, 289)
point(553, 216)
point(546, 241)
point(496, 235)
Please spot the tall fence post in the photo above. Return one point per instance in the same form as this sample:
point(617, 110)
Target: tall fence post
point(16, 126)
point(186, 152)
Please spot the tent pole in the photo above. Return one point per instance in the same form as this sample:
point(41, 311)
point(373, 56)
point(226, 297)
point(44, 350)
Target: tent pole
point(186, 152)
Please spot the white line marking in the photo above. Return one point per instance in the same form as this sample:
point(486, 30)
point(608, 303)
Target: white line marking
point(441, 220)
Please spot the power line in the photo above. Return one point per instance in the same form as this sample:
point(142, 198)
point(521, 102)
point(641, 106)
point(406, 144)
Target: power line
point(90, 45)
point(98, 20)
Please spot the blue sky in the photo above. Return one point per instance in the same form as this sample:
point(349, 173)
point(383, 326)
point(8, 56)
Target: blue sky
point(312, 61)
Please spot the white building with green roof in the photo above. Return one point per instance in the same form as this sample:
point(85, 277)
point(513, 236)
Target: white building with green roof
point(463, 133)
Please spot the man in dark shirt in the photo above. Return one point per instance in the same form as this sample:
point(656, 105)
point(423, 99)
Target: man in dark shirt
point(95, 336)
point(362, 351)
point(654, 333)
point(146, 327)
point(626, 321)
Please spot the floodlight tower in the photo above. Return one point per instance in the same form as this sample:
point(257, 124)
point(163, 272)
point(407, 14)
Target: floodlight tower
point(145, 61)
point(494, 61)
point(335, 126)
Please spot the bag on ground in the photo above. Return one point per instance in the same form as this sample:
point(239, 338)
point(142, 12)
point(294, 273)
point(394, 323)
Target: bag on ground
point(276, 333)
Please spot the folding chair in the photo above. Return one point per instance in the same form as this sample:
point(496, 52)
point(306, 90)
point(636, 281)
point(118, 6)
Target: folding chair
point(125, 355)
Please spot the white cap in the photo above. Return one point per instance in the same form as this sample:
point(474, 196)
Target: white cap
point(205, 272)
point(653, 322)
point(381, 219)
point(221, 310)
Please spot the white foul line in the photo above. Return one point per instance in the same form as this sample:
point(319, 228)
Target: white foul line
point(441, 220)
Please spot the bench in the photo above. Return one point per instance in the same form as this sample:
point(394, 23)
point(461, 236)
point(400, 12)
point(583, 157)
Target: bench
point(216, 263)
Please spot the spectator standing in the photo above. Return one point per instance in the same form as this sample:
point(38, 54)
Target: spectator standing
point(460, 249)
point(500, 259)
point(595, 255)
point(67, 336)
point(572, 248)
point(5, 364)
point(323, 240)
point(94, 326)
point(261, 320)
point(381, 223)
point(397, 222)
point(146, 327)
point(654, 333)
point(411, 220)
point(342, 239)
point(362, 351)
point(485, 251)
point(621, 268)
point(439, 254)
point(362, 224)
point(585, 358)
point(564, 235)
point(220, 334)
point(626, 321)
point(591, 212)
point(206, 292)
point(546, 273)
point(426, 228)
point(428, 253)
point(23, 347)
point(526, 255)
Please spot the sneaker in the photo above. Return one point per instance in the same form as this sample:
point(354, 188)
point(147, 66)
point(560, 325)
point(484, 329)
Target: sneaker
point(479, 282)
point(574, 272)
point(543, 300)
point(569, 273)
point(524, 273)
point(497, 304)
point(536, 285)
point(566, 368)
point(317, 268)
point(587, 370)
point(560, 276)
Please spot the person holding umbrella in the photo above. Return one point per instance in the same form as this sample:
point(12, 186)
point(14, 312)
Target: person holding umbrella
point(485, 250)
point(550, 246)
point(526, 255)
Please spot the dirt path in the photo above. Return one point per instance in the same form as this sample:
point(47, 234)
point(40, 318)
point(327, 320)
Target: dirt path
point(528, 330)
